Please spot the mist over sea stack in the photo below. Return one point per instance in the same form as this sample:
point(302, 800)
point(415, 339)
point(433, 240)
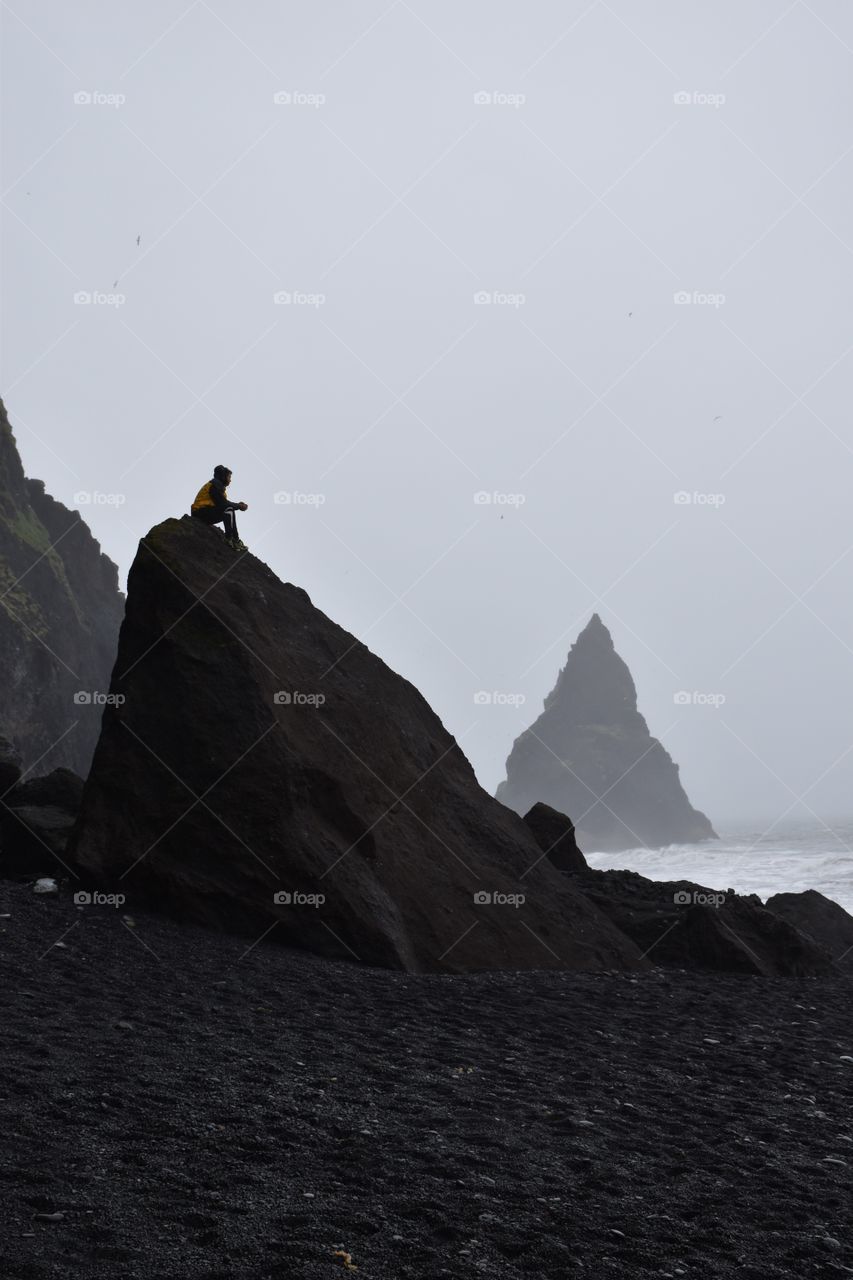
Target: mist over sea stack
point(590, 754)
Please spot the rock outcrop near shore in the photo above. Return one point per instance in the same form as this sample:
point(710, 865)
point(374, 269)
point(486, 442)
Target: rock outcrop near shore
point(265, 768)
point(820, 918)
point(60, 611)
point(590, 754)
point(681, 925)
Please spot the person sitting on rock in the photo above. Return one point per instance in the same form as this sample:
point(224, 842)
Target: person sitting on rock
point(213, 506)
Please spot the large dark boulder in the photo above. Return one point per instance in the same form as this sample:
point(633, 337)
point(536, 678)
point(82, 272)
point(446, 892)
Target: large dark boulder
point(821, 919)
point(33, 840)
point(555, 835)
point(262, 756)
point(61, 787)
point(681, 925)
point(590, 754)
point(36, 820)
point(60, 610)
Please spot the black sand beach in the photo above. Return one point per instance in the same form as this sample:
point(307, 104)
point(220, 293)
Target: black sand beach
point(175, 1106)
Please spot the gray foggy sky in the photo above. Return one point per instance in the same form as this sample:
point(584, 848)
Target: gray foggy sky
point(383, 197)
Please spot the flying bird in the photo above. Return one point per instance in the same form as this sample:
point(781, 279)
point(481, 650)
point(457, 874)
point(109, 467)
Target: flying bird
point(718, 417)
point(138, 238)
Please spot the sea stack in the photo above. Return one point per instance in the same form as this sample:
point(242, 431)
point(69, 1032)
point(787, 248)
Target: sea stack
point(590, 754)
point(60, 612)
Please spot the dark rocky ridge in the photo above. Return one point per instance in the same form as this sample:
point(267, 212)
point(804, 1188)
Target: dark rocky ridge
point(60, 611)
point(681, 925)
point(590, 754)
point(209, 793)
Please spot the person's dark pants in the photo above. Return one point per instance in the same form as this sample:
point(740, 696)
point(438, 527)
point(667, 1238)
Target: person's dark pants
point(227, 518)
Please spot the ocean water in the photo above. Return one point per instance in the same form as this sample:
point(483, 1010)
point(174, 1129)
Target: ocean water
point(759, 859)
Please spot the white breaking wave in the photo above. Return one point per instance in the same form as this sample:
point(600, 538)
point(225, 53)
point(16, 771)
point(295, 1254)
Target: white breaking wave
point(750, 861)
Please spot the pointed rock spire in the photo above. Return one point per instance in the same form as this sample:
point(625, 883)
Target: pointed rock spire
point(590, 755)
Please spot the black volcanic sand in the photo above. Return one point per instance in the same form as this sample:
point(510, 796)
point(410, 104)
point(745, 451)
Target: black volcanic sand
point(266, 1114)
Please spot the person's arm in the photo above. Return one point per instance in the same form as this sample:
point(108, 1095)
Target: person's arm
point(220, 499)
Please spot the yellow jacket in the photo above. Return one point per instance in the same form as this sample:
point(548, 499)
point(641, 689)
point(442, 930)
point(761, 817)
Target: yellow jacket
point(213, 494)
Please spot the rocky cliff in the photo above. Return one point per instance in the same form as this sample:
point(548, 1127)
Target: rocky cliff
point(266, 769)
point(590, 754)
point(60, 611)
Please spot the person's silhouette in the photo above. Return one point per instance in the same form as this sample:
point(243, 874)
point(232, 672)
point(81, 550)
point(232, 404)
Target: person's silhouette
point(213, 506)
